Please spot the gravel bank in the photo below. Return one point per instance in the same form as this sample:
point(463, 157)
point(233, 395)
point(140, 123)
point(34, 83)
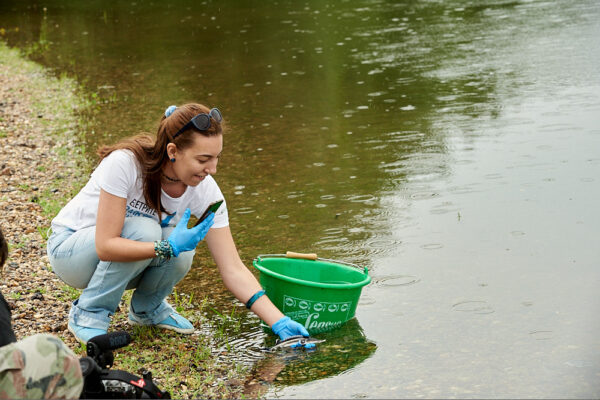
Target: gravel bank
point(38, 170)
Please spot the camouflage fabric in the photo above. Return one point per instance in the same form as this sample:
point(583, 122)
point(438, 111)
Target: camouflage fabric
point(40, 366)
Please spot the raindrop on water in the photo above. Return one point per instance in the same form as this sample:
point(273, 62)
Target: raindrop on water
point(432, 246)
point(473, 306)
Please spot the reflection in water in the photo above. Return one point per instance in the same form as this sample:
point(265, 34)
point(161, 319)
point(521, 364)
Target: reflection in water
point(344, 349)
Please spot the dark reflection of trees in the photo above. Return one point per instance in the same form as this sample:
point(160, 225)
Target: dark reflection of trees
point(345, 348)
point(292, 80)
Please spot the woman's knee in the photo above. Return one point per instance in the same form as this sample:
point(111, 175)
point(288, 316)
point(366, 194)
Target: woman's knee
point(74, 258)
point(73, 278)
point(141, 229)
point(181, 265)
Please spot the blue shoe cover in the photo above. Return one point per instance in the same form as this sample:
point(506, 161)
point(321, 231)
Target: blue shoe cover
point(174, 322)
point(83, 333)
point(177, 323)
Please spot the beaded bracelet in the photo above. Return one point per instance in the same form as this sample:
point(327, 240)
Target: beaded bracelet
point(253, 299)
point(163, 249)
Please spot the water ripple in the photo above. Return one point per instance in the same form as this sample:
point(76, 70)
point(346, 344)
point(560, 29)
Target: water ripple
point(465, 189)
point(332, 241)
point(432, 246)
point(365, 198)
point(328, 197)
point(293, 195)
point(366, 300)
point(395, 280)
point(246, 348)
point(381, 245)
point(541, 335)
point(444, 208)
point(423, 195)
point(473, 306)
point(244, 210)
point(334, 231)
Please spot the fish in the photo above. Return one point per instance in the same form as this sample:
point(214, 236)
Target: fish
point(295, 342)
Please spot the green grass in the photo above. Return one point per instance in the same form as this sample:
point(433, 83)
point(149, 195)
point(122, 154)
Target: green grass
point(43, 231)
point(69, 294)
point(185, 365)
point(181, 302)
point(19, 245)
point(15, 295)
point(51, 205)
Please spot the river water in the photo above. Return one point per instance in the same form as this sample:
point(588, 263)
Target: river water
point(453, 148)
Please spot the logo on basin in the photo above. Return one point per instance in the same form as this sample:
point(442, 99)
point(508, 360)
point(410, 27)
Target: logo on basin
point(313, 323)
point(318, 315)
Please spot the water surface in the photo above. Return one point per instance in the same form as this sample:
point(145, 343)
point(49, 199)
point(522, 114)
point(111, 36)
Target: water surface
point(451, 147)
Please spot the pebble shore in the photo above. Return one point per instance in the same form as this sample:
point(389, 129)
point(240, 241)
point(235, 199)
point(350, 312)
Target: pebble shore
point(37, 162)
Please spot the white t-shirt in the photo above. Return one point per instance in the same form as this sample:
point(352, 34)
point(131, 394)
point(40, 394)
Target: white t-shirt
point(119, 174)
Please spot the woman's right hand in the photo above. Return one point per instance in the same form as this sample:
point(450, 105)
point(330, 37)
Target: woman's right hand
point(287, 327)
point(184, 239)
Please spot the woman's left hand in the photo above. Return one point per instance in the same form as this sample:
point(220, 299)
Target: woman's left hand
point(184, 239)
point(287, 327)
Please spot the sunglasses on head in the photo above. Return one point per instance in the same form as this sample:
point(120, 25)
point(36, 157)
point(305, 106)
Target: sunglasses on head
point(201, 121)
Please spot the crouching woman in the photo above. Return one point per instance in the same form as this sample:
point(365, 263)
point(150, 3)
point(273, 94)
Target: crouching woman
point(128, 229)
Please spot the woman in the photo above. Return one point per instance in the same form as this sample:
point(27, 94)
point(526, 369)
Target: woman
point(127, 229)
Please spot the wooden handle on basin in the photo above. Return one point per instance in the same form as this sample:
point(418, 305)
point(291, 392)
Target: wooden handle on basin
point(306, 256)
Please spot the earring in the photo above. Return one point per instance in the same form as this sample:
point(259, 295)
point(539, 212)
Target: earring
point(173, 159)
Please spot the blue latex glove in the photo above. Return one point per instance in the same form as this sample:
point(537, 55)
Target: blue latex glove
point(307, 346)
point(286, 327)
point(184, 239)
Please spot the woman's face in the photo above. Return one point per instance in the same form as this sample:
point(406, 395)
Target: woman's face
point(194, 163)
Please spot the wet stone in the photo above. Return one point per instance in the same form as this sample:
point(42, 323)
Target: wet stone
point(37, 296)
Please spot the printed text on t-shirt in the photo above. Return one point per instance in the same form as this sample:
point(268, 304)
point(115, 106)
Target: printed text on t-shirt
point(137, 208)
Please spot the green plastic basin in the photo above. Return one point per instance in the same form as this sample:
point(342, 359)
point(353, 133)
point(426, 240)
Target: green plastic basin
point(320, 294)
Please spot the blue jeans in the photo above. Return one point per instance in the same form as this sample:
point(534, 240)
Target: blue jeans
point(74, 259)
